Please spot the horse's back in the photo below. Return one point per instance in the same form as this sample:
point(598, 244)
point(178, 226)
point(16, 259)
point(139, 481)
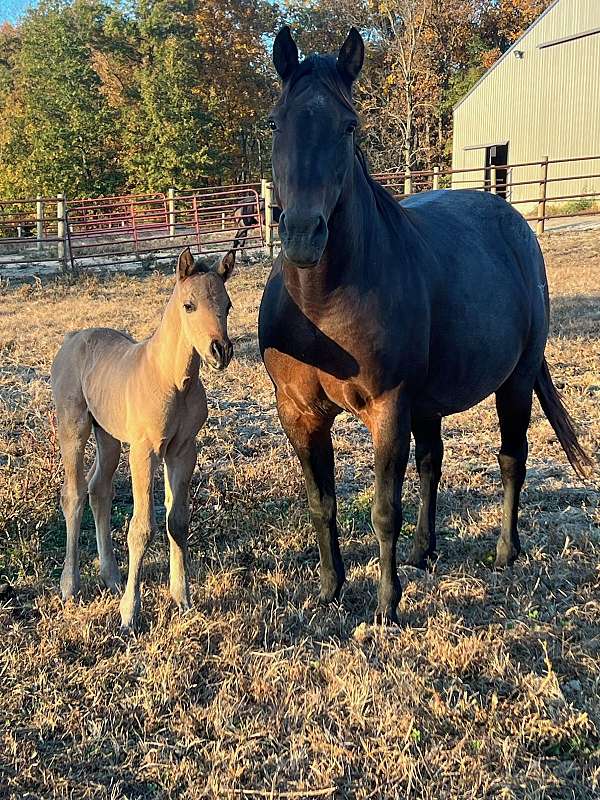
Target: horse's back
point(489, 301)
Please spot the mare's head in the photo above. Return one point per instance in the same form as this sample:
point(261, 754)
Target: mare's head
point(203, 305)
point(314, 124)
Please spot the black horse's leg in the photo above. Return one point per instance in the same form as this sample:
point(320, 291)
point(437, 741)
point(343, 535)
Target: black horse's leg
point(240, 237)
point(390, 428)
point(429, 451)
point(310, 436)
point(513, 403)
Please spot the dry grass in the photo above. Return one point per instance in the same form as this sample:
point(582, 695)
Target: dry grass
point(488, 690)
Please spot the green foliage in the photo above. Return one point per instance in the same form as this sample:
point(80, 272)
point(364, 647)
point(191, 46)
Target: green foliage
point(59, 132)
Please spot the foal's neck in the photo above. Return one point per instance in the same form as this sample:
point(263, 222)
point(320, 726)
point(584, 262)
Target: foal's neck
point(176, 360)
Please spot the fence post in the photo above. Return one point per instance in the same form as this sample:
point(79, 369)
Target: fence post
point(436, 177)
point(171, 204)
point(61, 229)
point(268, 195)
point(263, 187)
point(493, 189)
point(39, 221)
point(407, 181)
point(541, 210)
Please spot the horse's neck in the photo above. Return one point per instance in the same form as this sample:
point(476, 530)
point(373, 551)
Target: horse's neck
point(175, 360)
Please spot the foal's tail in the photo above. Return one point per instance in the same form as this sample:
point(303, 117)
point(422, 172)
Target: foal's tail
point(558, 416)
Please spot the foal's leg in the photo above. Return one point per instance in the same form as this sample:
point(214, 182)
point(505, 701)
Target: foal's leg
point(389, 422)
point(73, 433)
point(179, 467)
point(429, 451)
point(100, 480)
point(513, 403)
point(310, 436)
point(141, 527)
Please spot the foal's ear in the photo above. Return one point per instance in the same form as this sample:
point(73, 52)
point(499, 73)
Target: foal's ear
point(186, 265)
point(285, 53)
point(351, 56)
point(226, 265)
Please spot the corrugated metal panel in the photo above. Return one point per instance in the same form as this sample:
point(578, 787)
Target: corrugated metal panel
point(545, 103)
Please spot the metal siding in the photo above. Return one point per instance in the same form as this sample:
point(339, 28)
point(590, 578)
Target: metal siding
point(547, 103)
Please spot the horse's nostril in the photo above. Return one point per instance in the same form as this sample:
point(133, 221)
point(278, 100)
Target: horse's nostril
point(217, 350)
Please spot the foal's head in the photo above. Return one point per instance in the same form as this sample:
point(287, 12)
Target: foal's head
point(204, 304)
point(314, 124)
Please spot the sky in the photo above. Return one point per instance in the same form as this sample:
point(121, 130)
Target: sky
point(11, 10)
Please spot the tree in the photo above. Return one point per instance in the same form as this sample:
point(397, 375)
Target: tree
point(59, 133)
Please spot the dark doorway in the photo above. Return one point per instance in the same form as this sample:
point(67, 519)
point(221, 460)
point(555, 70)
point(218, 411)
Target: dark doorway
point(497, 156)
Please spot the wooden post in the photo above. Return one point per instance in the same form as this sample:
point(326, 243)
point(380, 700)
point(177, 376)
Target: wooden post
point(407, 181)
point(39, 221)
point(263, 187)
point(436, 177)
point(268, 195)
point(171, 204)
point(541, 210)
point(61, 228)
point(493, 189)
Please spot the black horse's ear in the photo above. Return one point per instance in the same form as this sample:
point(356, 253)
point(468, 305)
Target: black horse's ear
point(351, 56)
point(226, 265)
point(186, 265)
point(285, 53)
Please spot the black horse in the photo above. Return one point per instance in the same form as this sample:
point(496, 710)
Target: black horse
point(399, 313)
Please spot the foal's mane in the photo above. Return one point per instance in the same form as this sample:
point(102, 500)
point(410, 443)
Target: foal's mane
point(324, 69)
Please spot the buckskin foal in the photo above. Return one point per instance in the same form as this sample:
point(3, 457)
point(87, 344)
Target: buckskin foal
point(149, 395)
point(399, 313)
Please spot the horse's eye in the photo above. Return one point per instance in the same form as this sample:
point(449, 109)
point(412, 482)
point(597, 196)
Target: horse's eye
point(189, 307)
point(272, 124)
point(351, 127)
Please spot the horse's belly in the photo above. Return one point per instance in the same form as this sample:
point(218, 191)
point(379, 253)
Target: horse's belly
point(460, 380)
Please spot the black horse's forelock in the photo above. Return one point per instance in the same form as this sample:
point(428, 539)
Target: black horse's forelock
point(324, 69)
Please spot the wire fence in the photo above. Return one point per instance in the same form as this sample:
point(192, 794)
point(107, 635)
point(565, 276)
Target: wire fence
point(117, 230)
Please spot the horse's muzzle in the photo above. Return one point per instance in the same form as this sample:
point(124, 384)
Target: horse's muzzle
point(303, 237)
point(221, 352)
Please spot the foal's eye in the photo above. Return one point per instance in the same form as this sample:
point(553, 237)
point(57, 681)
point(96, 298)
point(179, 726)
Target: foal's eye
point(189, 307)
point(351, 127)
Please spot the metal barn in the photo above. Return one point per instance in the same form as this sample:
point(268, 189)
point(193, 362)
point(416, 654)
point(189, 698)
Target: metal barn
point(540, 99)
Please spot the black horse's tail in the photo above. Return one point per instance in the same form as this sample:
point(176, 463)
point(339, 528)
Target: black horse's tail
point(558, 416)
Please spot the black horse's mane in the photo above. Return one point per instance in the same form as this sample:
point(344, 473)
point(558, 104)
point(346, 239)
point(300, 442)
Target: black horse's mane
point(325, 70)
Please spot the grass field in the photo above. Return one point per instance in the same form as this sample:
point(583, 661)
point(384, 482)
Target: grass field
point(489, 688)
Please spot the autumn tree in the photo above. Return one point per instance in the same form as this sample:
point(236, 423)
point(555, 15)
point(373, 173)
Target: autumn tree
point(58, 133)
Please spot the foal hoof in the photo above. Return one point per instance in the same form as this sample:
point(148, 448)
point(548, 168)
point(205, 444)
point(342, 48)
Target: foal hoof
point(112, 582)
point(69, 587)
point(506, 559)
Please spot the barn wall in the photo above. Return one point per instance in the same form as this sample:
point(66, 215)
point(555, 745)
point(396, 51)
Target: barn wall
point(547, 103)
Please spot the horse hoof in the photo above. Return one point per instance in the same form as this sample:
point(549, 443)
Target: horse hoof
point(330, 590)
point(388, 617)
point(420, 560)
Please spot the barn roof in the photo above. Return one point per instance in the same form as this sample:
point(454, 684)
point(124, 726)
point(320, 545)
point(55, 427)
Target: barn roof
point(507, 53)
